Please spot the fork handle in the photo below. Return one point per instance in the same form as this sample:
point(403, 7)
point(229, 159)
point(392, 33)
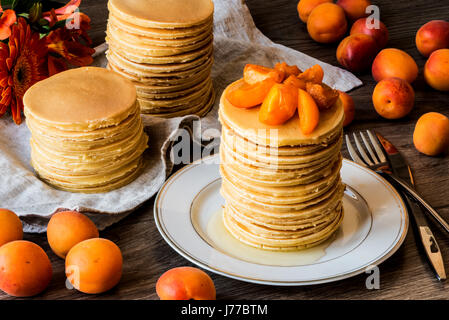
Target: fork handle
point(405, 187)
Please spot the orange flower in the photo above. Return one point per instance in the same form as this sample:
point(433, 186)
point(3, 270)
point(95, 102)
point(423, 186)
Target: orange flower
point(64, 42)
point(7, 19)
point(22, 64)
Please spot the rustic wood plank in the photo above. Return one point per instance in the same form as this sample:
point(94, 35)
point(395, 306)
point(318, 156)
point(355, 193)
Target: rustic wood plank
point(406, 275)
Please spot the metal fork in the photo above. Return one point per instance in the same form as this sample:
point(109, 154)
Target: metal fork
point(379, 163)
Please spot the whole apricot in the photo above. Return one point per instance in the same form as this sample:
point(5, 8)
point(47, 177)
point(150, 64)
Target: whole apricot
point(185, 283)
point(94, 265)
point(393, 98)
point(394, 63)
point(25, 269)
point(10, 227)
point(354, 9)
point(305, 7)
point(431, 135)
point(66, 229)
point(327, 23)
point(432, 36)
point(436, 70)
point(357, 52)
point(372, 27)
point(349, 107)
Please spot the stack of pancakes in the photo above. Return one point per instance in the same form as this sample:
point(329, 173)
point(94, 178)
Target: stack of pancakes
point(166, 48)
point(86, 131)
point(282, 188)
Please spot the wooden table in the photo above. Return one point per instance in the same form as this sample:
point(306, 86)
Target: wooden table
point(406, 275)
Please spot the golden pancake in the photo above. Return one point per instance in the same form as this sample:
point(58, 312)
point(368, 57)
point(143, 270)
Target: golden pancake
point(167, 14)
point(179, 58)
point(283, 220)
point(232, 154)
point(81, 99)
point(200, 110)
point(162, 81)
point(280, 151)
point(293, 228)
point(86, 131)
point(158, 33)
point(313, 239)
point(139, 68)
point(130, 174)
point(188, 100)
point(281, 177)
point(171, 95)
point(155, 50)
point(250, 152)
point(267, 181)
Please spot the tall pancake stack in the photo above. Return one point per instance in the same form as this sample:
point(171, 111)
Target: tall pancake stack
point(87, 134)
point(282, 188)
point(166, 48)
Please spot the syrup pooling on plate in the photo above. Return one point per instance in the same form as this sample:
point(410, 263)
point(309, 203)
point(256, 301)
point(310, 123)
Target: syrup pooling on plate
point(226, 243)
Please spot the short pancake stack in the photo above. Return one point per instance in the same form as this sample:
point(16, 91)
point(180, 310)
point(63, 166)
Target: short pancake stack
point(282, 188)
point(166, 48)
point(86, 132)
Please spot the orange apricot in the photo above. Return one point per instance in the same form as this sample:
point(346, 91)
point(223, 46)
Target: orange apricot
point(10, 227)
point(314, 74)
point(324, 96)
point(354, 9)
point(253, 73)
point(348, 106)
point(25, 269)
point(327, 23)
point(394, 63)
point(309, 115)
point(66, 229)
point(94, 265)
point(250, 95)
point(432, 36)
point(279, 105)
point(431, 135)
point(305, 7)
point(287, 70)
point(436, 70)
point(185, 283)
point(393, 98)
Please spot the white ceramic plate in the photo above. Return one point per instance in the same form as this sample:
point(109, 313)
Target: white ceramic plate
point(374, 227)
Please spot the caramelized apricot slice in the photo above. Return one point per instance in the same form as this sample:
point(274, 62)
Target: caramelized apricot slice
point(314, 74)
point(309, 114)
point(250, 95)
point(288, 70)
point(295, 82)
point(253, 73)
point(279, 105)
point(324, 96)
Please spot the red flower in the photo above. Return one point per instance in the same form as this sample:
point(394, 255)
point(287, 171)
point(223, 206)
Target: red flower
point(22, 64)
point(7, 19)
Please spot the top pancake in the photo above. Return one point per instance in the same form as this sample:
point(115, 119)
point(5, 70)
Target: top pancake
point(245, 122)
point(82, 99)
point(166, 14)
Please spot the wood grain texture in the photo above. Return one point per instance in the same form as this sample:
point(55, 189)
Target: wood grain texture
point(406, 275)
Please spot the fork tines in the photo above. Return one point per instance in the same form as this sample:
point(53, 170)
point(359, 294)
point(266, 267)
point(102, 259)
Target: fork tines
point(376, 155)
